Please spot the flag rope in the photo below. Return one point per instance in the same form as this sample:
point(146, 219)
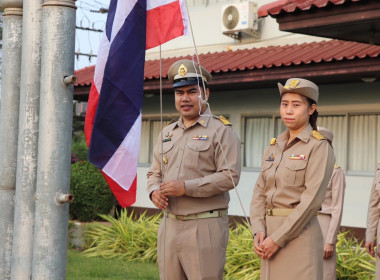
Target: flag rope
point(204, 90)
point(162, 159)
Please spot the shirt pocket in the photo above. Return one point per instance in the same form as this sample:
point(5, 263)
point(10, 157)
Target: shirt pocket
point(197, 153)
point(165, 148)
point(295, 172)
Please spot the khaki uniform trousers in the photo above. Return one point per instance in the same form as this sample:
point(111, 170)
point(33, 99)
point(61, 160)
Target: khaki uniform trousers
point(193, 249)
point(301, 258)
point(329, 265)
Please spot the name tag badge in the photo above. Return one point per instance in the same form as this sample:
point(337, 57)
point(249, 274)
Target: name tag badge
point(298, 157)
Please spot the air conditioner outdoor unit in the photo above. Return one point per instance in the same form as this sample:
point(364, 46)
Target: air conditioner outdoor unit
point(240, 18)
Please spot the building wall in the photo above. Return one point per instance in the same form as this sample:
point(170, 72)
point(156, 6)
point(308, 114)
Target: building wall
point(335, 98)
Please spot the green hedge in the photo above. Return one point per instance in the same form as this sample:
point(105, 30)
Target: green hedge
point(79, 146)
point(136, 240)
point(92, 196)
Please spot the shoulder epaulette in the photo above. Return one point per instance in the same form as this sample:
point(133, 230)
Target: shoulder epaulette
point(224, 120)
point(273, 141)
point(379, 162)
point(317, 135)
point(336, 166)
point(171, 122)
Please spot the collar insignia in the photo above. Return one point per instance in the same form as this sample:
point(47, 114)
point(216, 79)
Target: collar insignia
point(318, 135)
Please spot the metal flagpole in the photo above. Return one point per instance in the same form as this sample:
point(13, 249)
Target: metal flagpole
point(22, 247)
point(54, 140)
point(11, 71)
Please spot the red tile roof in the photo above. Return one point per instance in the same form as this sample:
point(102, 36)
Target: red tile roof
point(289, 6)
point(259, 58)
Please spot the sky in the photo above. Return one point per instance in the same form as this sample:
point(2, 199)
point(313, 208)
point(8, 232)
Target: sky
point(87, 42)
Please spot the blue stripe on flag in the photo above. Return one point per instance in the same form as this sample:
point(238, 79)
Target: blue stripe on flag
point(121, 95)
point(110, 18)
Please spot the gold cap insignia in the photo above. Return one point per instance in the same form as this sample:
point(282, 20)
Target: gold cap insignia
point(182, 70)
point(293, 84)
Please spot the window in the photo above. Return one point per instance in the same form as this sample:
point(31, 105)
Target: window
point(150, 128)
point(338, 125)
point(363, 142)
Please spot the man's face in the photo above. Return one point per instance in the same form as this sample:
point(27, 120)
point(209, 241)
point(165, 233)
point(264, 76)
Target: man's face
point(188, 102)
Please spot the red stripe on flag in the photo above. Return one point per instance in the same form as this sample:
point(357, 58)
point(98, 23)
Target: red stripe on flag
point(163, 24)
point(93, 100)
point(125, 198)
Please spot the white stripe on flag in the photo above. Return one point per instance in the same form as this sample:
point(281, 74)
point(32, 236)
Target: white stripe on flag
point(185, 17)
point(104, 48)
point(122, 11)
point(152, 4)
point(122, 167)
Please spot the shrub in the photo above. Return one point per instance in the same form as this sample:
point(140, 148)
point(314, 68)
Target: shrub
point(241, 260)
point(137, 240)
point(79, 146)
point(92, 196)
point(353, 262)
point(125, 238)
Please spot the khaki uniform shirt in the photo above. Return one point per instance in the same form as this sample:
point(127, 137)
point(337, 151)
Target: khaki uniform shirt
point(193, 155)
point(293, 176)
point(374, 208)
point(333, 203)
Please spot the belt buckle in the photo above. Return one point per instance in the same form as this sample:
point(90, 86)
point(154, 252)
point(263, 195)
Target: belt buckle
point(180, 217)
point(270, 212)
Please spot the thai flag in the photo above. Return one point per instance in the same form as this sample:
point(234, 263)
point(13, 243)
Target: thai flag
point(113, 118)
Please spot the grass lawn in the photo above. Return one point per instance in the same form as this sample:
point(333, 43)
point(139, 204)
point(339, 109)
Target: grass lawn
point(80, 267)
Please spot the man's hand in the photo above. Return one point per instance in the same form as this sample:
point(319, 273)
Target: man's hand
point(328, 250)
point(159, 199)
point(173, 188)
point(259, 238)
point(370, 246)
point(269, 248)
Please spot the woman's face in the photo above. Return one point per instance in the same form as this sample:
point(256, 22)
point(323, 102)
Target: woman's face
point(295, 111)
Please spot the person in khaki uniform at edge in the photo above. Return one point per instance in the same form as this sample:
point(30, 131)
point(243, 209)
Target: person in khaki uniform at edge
point(295, 171)
point(200, 156)
point(330, 215)
point(373, 225)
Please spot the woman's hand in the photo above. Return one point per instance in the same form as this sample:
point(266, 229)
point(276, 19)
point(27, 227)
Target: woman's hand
point(370, 246)
point(328, 250)
point(269, 247)
point(259, 238)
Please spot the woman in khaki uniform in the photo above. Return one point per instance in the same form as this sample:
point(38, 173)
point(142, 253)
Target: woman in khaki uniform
point(373, 224)
point(291, 187)
point(330, 215)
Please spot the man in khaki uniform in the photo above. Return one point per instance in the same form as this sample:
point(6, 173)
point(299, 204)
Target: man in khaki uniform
point(196, 162)
point(330, 215)
point(373, 225)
